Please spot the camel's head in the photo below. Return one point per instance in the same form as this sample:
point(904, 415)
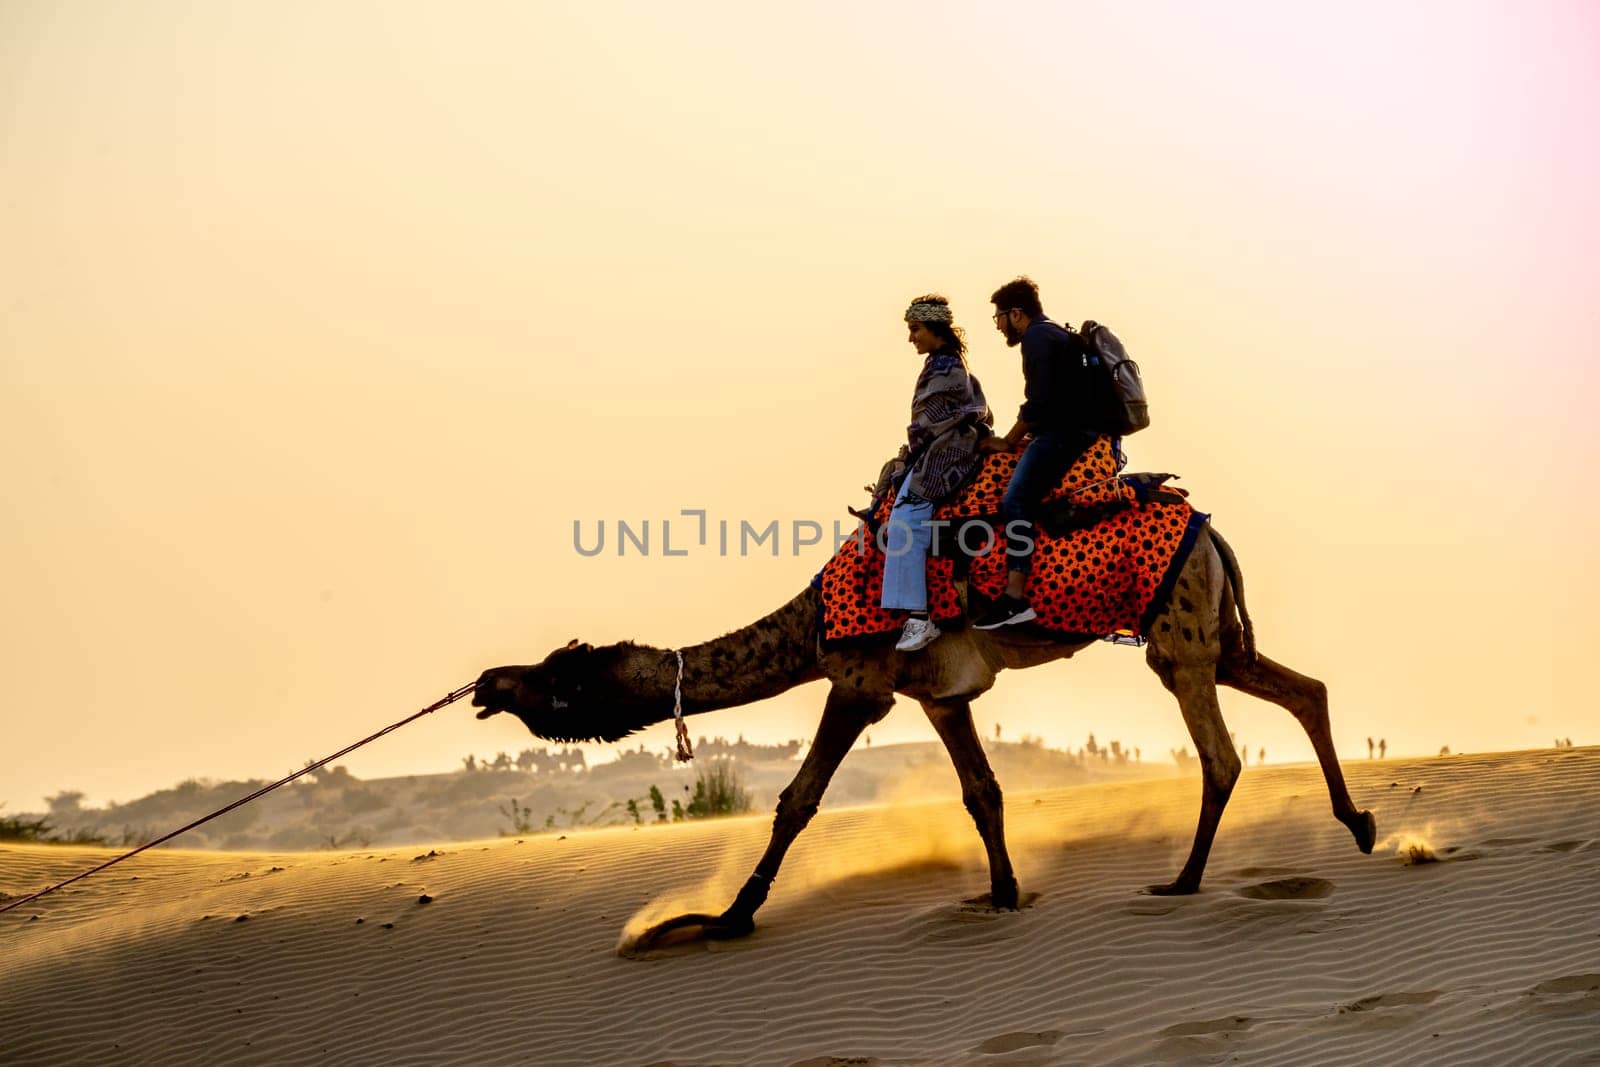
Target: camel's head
point(568, 697)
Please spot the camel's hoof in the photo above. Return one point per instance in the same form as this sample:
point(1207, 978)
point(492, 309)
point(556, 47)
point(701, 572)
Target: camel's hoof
point(1177, 888)
point(1365, 829)
point(682, 929)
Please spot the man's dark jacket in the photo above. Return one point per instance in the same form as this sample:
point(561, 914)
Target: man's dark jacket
point(1057, 390)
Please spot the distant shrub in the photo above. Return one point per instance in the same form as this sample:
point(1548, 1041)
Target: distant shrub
point(358, 837)
point(40, 831)
point(579, 816)
point(16, 828)
point(521, 817)
point(718, 790)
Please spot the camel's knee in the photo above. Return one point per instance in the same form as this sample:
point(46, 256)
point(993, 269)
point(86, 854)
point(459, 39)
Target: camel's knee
point(1236, 667)
point(983, 799)
point(1311, 705)
point(1313, 718)
point(795, 810)
point(1221, 772)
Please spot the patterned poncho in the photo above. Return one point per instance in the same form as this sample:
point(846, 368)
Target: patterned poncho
point(949, 417)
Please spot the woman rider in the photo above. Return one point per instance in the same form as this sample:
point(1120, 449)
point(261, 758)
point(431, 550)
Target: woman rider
point(949, 420)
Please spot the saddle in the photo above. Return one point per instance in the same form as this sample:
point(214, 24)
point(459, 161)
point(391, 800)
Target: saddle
point(1106, 545)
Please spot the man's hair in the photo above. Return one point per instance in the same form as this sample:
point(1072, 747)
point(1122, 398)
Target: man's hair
point(953, 336)
point(1019, 293)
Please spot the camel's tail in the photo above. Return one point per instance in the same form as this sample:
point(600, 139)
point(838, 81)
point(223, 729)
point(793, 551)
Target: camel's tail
point(1230, 563)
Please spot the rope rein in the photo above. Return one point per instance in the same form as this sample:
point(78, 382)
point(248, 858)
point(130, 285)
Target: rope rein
point(264, 790)
point(685, 753)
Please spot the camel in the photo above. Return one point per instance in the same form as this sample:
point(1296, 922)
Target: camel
point(1200, 638)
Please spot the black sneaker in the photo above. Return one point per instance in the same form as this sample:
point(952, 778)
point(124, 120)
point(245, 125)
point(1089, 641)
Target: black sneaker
point(1006, 611)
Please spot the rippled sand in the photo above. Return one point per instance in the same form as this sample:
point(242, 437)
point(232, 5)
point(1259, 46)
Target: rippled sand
point(1470, 935)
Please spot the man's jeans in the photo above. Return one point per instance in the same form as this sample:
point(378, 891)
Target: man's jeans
point(906, 537)
point(1048, 457)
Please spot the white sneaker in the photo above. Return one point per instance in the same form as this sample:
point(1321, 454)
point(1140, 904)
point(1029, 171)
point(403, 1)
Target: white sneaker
point(918, 634)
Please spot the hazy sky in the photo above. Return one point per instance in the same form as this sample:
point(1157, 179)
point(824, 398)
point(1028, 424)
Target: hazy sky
point(321, 323)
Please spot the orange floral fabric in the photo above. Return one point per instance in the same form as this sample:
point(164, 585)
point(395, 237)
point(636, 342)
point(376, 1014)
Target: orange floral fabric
point(1092, 581)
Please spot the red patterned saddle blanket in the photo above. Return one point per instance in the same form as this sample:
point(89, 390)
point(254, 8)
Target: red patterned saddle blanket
point(1108, 577)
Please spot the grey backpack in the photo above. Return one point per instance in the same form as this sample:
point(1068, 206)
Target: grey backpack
point(1119, 402)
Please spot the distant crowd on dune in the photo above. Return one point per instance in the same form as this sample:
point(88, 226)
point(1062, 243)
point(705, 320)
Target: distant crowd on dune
point(1444, 750)
point(531, 761)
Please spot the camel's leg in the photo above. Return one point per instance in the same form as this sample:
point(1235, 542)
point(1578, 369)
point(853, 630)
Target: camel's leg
point(846, 714)
point(1194, 684)
point(980, 792)
point(1307, 700)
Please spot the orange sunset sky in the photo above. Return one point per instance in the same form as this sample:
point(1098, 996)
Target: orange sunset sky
point(321, 323)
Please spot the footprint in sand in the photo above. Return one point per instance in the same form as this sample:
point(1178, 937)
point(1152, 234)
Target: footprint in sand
point(1389, 1000)
point(1020, 1040)
point(1387, 1011)
point(1573, 983)
point(975, 919)
point(1575, 994)
point(1508, 842)
point(1187, 1041)
point(1565, 846)
point(1226, 1027)
point(1145, 904)
point(1297, 887)
point(984, 904)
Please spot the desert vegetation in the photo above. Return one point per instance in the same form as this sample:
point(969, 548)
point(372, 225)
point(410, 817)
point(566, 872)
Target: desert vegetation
point(534, 791)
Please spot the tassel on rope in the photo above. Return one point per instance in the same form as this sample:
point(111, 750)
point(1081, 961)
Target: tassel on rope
point(685, 752)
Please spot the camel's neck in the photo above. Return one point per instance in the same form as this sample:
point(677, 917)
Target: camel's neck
point(768, 657)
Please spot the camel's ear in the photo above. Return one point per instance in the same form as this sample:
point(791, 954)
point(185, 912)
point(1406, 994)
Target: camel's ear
point(579, 646)
point(573, 643)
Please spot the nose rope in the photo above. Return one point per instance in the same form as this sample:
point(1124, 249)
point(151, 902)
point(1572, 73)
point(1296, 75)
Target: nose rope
point(685, 753)
point(450, 698)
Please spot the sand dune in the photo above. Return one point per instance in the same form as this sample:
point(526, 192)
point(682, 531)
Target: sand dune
point(1470, 935)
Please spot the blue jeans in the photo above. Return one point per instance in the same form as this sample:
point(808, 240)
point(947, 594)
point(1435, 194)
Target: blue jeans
point(1048, 458)
point(905, 539)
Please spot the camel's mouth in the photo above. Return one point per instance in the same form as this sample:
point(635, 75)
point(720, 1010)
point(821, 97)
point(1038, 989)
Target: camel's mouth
point(495, 691)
